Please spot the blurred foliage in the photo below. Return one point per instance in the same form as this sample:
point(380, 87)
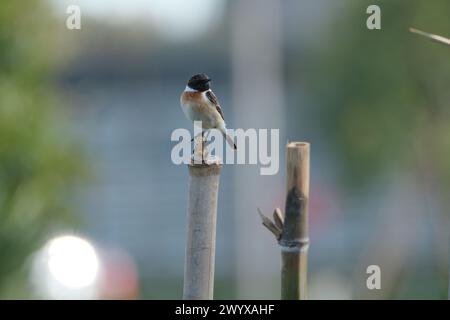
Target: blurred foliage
point(383, 95)
point(383, 101)
point(38, 160)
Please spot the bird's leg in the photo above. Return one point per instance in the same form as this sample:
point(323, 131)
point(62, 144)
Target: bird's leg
point(198, 149)
point(207, 131)
point(193, 139)
point(203, 146)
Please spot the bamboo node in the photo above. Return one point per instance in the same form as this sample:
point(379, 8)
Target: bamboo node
point(294, 249)
point(292, 243)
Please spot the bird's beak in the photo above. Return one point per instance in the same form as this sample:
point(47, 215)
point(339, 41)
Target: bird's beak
point(208, 80)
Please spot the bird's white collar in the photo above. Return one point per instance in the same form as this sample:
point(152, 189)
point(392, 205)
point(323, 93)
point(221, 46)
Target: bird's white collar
point(189, 89)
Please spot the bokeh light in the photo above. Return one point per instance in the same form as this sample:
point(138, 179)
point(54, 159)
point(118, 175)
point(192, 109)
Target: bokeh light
point(67, 267)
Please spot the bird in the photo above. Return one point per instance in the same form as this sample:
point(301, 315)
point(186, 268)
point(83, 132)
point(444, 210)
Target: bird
point(199, 103)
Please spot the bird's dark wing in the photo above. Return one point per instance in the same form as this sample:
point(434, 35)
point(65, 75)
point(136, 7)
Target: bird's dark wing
point(213, 99)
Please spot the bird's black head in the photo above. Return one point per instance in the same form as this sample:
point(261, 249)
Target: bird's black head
point(199, 82)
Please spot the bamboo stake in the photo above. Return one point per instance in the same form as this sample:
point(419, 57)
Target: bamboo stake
point(201, 230)
point(294, 238)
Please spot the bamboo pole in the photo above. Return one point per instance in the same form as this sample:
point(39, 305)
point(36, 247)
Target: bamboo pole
point(292, 231)
point(201, 230)
point(294, 240)
point(432, 37)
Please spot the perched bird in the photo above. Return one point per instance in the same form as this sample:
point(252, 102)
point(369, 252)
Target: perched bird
point(199, 103)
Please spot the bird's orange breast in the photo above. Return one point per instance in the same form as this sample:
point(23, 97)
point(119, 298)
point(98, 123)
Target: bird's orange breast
point(196, 101)
point(190, 97)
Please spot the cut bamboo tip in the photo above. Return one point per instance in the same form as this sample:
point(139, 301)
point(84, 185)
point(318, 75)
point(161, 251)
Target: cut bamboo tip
point(298, 145)
point(205, 169)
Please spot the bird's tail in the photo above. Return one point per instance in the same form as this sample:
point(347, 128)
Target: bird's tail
point(228, 138)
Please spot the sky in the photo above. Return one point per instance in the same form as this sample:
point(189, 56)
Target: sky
point(176, 20)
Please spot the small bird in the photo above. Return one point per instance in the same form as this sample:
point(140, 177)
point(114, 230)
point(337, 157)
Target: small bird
point(199, 103)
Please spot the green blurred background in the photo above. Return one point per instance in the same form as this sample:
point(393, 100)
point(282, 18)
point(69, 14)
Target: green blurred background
point(86, 117)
